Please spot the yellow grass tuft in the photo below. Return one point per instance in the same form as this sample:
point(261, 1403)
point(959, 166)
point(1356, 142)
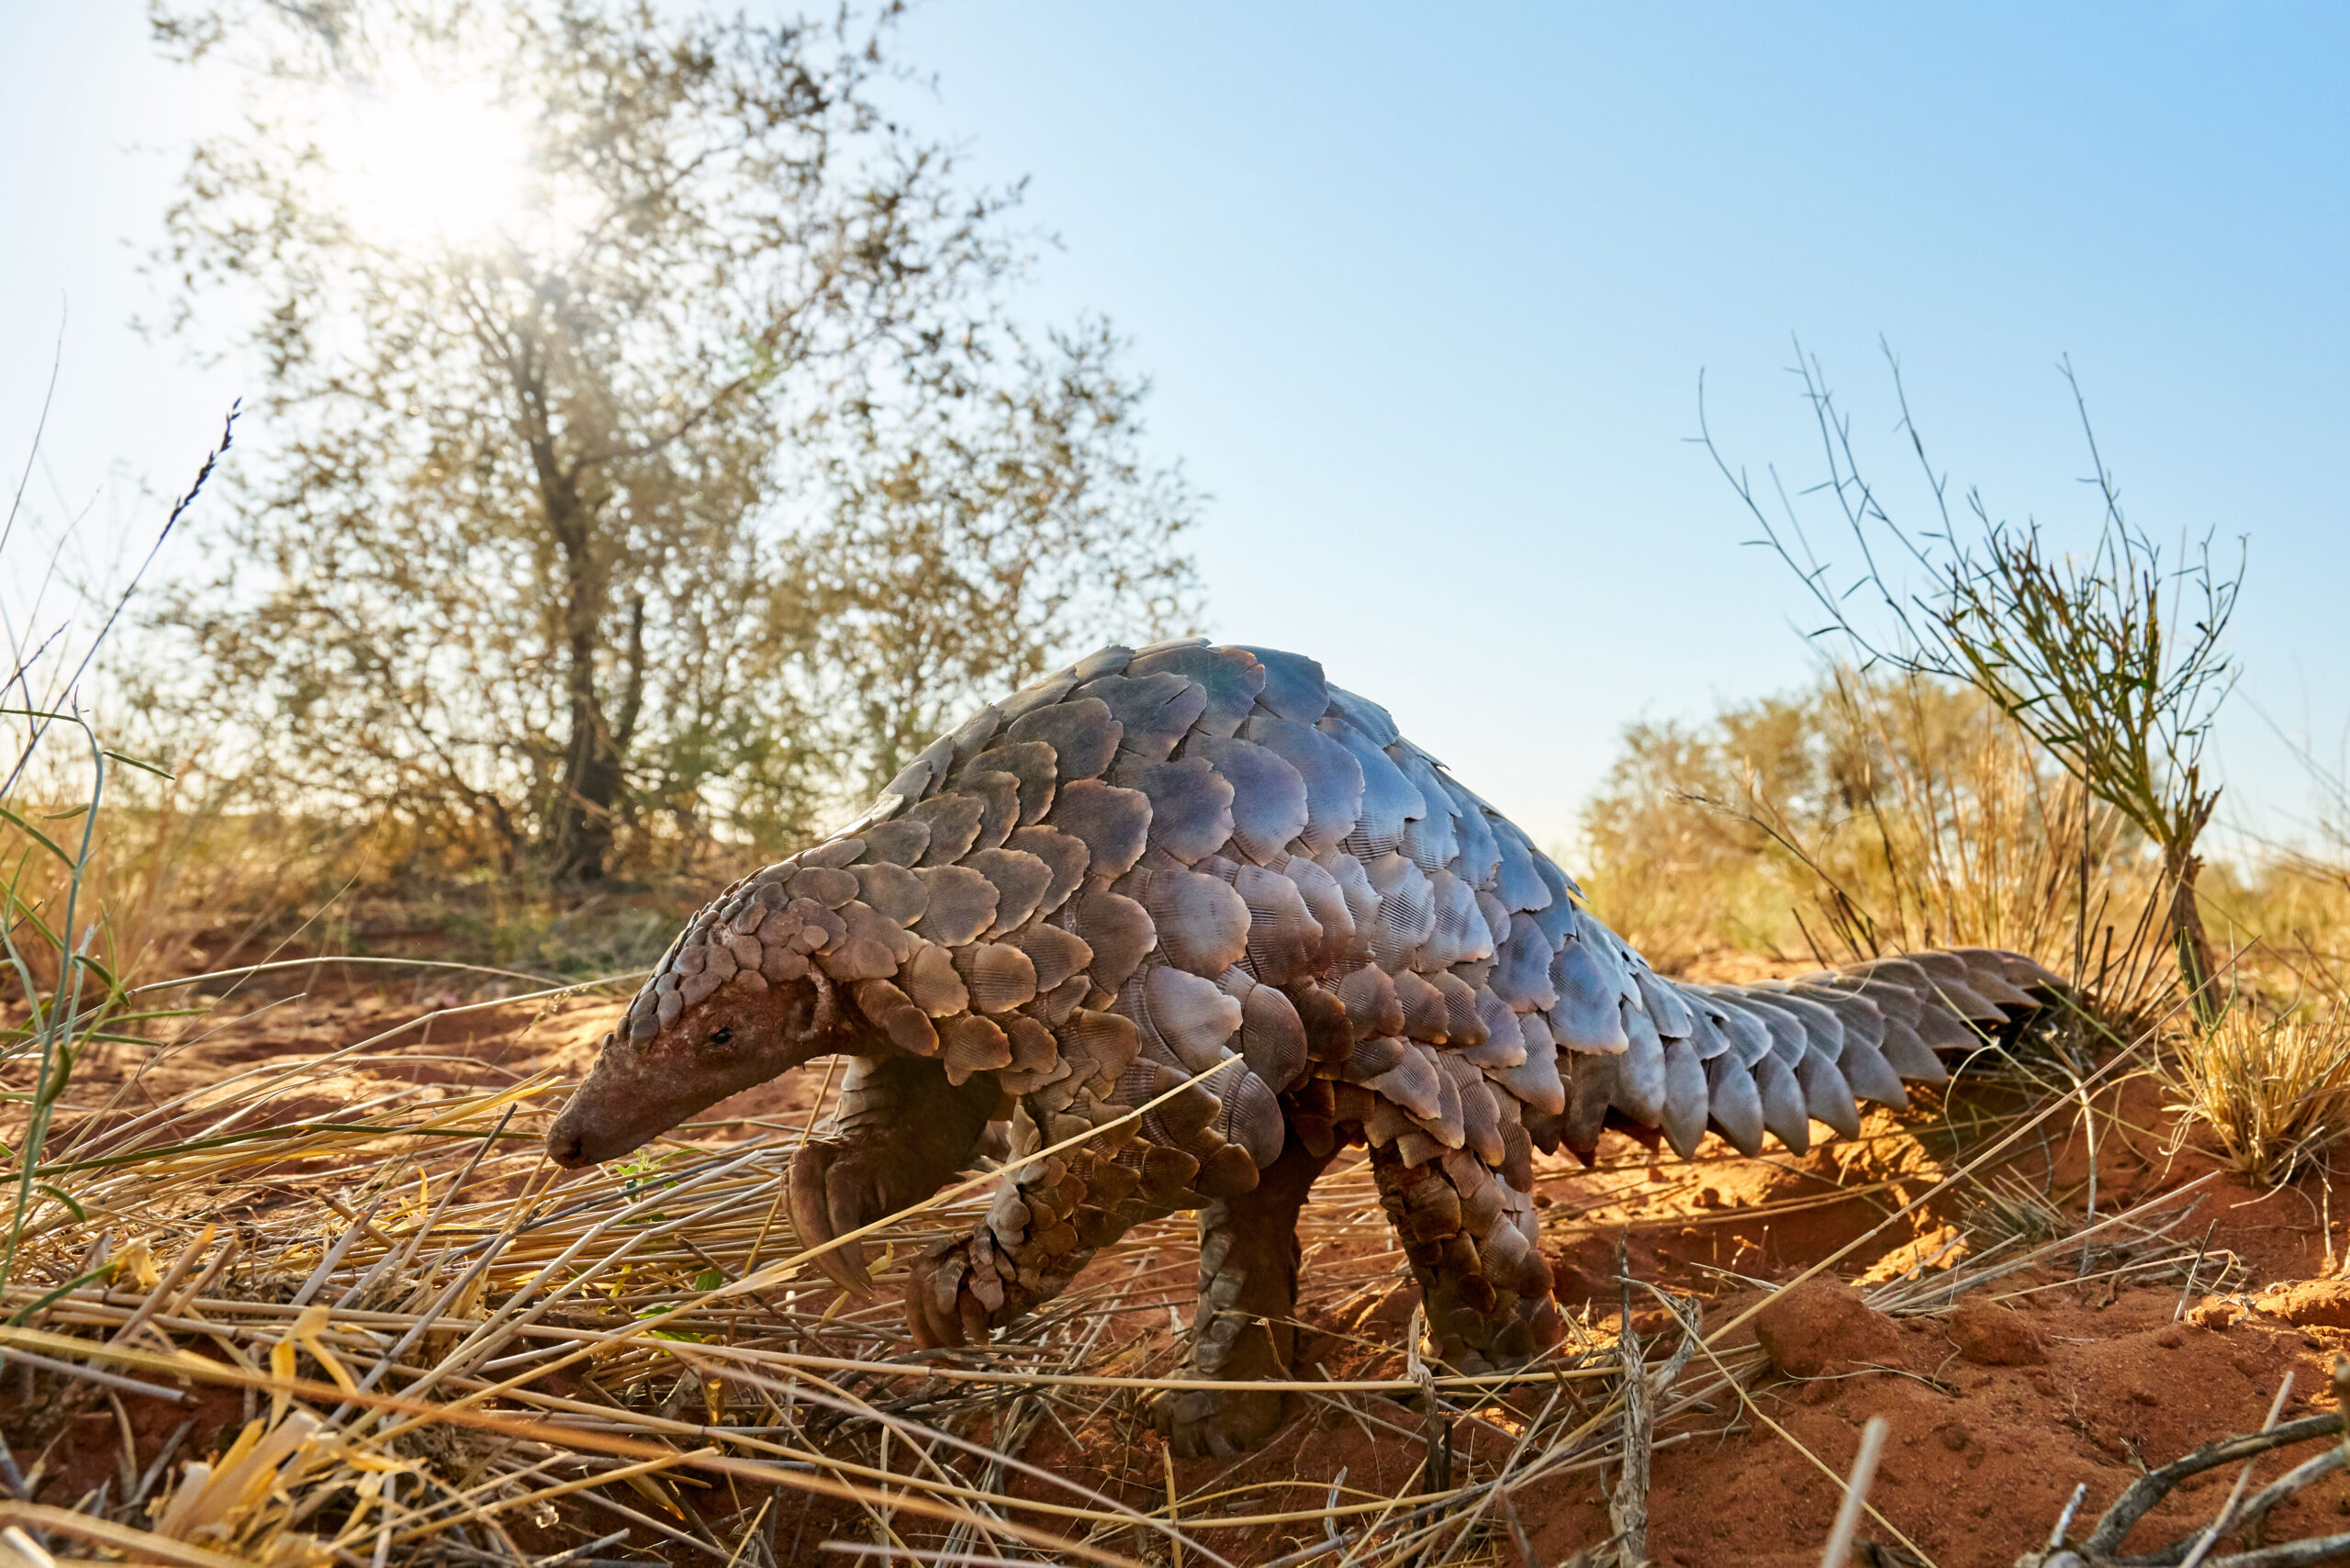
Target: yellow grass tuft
point(2274, 1089)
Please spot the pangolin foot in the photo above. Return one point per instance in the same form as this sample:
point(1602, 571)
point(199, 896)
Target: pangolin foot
point(954, 1299)
point(1198, 1422)
point(836, 1188)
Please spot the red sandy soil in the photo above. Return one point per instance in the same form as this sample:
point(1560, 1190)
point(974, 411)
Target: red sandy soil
point(2035, 1384)
point(1997, 1411)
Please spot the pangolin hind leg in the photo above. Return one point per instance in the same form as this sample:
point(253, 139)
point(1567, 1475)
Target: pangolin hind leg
point(1470, 1232)
point(1247, 1322)
point(900, 1132)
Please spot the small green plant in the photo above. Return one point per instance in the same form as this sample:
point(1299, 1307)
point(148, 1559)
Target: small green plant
point(67, 997)
point(2112, 662)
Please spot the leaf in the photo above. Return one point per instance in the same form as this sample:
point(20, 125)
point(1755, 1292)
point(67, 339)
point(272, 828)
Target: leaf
point(63, 1196)
point(21, 910)
point(143, 767)
point(114, 986)
point(121, 1019)
point(46, 842)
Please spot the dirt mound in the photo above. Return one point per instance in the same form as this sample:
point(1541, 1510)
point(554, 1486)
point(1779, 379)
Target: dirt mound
point(1822, 1326)
point(1991, 1335)
point(1981, 1459)
point(2310, 1303)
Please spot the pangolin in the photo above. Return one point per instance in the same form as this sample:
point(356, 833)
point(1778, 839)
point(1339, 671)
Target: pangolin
point(1203, 871)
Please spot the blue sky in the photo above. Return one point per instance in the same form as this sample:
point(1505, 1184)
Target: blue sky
point(1428, 293)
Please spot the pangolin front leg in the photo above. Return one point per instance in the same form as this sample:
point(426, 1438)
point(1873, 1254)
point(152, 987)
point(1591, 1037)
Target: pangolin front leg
point(1469, 1232)
point(1246, 1324)
point(1046, 1221)
point(900, 1131)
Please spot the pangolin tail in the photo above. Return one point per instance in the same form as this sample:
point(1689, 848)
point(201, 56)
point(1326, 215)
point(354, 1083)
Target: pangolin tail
point(1774, 1057)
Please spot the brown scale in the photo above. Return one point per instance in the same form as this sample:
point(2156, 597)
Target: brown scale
point(1201, 879)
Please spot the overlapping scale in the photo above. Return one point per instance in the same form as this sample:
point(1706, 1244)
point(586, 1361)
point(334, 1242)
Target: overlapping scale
point(1268, 803)
point(954, 821)
point(1294, 688)
point(1480, 852)
point(1389, 800)
point(898, 843)
point(1034, 768)
point(1733, 1104)
point(1152, 710)
point(1114, 823)
point(1406, 910)
point(1203, 924)
point(1080, 731)
point(1190, 807)
point(1020, 880)
point(1064, 855)
point(1230, 677)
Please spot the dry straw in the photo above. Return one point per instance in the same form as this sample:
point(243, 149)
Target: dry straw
point(2273, 1090)
point(428, 1349)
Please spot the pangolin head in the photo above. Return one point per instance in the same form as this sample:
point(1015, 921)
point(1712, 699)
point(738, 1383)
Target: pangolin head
point(734, 1002)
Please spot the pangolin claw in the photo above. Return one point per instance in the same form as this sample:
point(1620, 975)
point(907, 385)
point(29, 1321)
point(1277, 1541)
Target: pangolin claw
point(1224, 1423)
point(941, 1310)
point(844, 1266)
point(815, 1207)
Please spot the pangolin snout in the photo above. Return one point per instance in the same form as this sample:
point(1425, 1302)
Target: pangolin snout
point(572, 1143)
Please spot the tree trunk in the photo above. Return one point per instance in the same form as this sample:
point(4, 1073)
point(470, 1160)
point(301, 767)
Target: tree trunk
point(577, 835)
point(2197, 966)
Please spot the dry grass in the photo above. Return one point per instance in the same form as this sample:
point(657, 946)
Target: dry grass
point(432, 1347)
point(186, 879)
point(414, 1346)
point(2290, 919)
point(2273, 1089)
point(398, 1340)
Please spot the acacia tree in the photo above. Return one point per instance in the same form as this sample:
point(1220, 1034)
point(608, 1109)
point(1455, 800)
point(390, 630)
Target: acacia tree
point(691, 480)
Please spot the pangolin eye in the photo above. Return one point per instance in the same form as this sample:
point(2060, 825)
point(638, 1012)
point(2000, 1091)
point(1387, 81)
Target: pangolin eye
point(718, 1035)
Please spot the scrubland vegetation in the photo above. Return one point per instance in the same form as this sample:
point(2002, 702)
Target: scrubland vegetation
point(564, 571)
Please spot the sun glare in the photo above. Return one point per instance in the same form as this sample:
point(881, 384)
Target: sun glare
point(432, 163)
